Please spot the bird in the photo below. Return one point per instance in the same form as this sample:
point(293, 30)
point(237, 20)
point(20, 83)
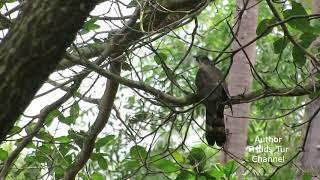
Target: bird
point(213, 91)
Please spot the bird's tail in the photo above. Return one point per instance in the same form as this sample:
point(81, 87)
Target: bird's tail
point(215, 128)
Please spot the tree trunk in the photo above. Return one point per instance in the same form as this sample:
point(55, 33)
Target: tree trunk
point(239, 81)
point(310, 160)
point(32, 49)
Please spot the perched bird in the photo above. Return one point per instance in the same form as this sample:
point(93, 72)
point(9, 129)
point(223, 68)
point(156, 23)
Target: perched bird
point(215, 96)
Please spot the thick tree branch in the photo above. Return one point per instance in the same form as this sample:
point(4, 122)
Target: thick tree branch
point(156, 17)
point(32, 49)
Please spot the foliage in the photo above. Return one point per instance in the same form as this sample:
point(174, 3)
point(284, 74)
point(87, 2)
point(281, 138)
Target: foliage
point(146, 138)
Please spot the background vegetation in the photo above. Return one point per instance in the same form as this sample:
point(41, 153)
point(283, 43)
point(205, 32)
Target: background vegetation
point(80, 123)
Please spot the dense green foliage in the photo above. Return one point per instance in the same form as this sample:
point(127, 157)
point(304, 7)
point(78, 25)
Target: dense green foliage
point(144, 138)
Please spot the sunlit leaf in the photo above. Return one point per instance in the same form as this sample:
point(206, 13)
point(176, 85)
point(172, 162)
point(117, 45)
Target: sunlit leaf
point(177, 156)
point(306, 176)
point(97, 176)
point(3, 154)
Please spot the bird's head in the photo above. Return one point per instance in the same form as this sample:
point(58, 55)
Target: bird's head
point(202, 59)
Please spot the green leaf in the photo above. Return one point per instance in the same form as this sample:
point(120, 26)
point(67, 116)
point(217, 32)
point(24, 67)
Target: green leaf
point(44, 135)
point(58, 172)
point(103, 164)
point(63, 139)
point(306, 176)
point(74, 110)
point(3, 154)
point(97, 176)
point(65, 148)
point(306, 39)
point(31, 145)
point(301, 24)
point(41, 158)
point(201, 177)
point(230, 167)
point(165, 165)
point(67, 120)
point(134, 3)
point(97, 156)
point(279, 45)
point(82, 32)
point(67, 160)
point(138, 152)
point(53, 114)
point(45, 148)
point(29, 159)
point(217, 173)
point(83, 176)
point(131, 164)
point(298, 56)
point(140, 116)
point(197, 157)
point(185, 175)
point(177, 157)
point(263, 27)
point(30, 128)
point(15, 130)
point(158, 58)
point(78, 137)
point(103, 141)
point(298, 9)
point(31, 172)
point(90, 25)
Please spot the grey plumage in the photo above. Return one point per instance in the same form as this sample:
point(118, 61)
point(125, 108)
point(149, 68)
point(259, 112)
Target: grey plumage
point(207, 81)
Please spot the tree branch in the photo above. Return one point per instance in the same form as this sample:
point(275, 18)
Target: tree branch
point(42, 116)
point(32, 49)
point(105, 107)
point(190, 99)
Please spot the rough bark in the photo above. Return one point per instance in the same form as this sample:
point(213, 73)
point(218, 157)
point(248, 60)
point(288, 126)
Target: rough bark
point(32, 49)
point(239, 81)
point(310, 160)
